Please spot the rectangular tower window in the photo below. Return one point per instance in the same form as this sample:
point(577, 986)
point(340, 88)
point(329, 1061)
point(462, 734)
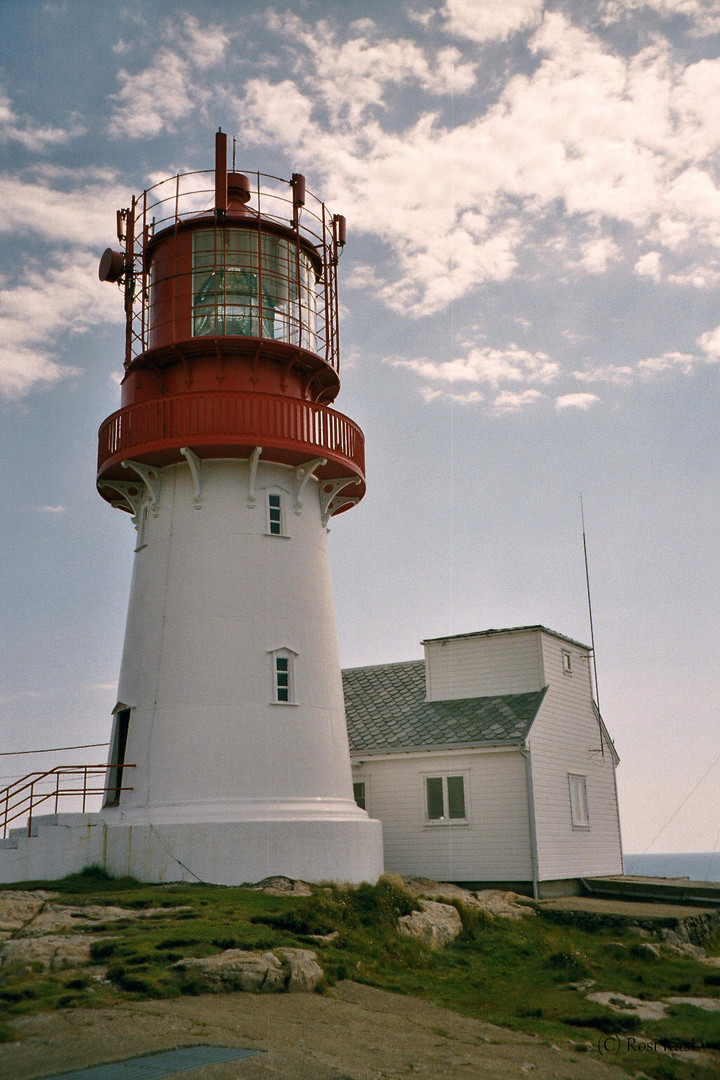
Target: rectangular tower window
point(282, 685)
point(359, 793)
point(274, 515)
point(579, 812)
point(445, 798)
point(282, 678)
point(567, 662)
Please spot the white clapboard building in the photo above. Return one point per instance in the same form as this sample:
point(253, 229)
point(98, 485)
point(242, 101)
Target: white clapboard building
point(488, 762)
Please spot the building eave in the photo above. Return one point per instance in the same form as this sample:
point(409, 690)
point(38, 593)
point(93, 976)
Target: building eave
point(536, 627)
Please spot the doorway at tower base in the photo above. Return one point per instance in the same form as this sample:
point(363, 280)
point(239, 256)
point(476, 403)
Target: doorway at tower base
point(218, 853)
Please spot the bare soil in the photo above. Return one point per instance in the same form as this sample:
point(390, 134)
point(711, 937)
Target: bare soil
point(353, 1032)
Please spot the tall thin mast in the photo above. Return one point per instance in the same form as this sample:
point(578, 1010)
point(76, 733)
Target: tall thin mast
point(587, 585)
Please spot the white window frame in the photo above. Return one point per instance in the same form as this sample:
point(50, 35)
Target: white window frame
point(445, 821)
point(566, 662)
point(276, 688)
point(579, 805)
point(281, 496)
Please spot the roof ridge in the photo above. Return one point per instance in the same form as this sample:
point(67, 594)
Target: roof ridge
point(384, 667)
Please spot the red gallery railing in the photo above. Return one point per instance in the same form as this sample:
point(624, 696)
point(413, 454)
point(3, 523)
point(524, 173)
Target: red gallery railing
point(22, 798)
point(236, 419)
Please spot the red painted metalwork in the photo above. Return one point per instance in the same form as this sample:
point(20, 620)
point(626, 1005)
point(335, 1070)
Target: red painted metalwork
point(22, 798)
point(221, 184)
point(176, 205)
point(231, 425)
point(232, 325)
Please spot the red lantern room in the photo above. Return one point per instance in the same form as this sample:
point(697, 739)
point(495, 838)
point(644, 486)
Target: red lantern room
point(230, 289)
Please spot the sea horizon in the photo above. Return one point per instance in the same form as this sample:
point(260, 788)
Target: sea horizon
point(695, 865)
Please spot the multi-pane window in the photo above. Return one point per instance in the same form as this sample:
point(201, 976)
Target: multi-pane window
point(274, 514)
point(445, 798)
point(282, 678)
point(359, 793)
point(579, 812)
point(237, 293)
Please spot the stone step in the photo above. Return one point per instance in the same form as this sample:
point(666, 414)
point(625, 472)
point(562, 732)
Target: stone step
point(667, 890)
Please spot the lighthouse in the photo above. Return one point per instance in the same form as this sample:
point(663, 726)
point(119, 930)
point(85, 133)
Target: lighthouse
point(229, 757)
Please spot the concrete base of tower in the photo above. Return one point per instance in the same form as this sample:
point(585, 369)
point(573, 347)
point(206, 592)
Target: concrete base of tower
point(220, 853)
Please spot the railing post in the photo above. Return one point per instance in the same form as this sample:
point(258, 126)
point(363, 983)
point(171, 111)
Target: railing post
point(84, 787)
point(32, 798)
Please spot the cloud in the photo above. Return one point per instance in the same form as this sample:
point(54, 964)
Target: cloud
point(698, 275)
point(702, 15)
point(599, 254)
point(617, 374)
point(710, 344)
point(511, 401)
point(50, 301)
point(487, 365)
point(488, 20)
point(70, 212)
point(676, 362)
point(52, 509)
point(576, 401)
point(648, 265)
point(463, 203)
point(168, 91)
point(29, 135)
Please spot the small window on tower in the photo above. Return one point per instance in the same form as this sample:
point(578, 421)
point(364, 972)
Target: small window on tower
point(283, 682)
point(359, 793)
point(275, 514)
point(567, 662)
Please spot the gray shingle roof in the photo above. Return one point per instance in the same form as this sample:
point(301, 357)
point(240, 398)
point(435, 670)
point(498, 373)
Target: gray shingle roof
point(386, 711)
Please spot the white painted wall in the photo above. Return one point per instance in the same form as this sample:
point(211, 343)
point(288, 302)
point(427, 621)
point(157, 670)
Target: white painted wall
point(565, 738)
point(494, 845)
point(481, 665)
point(212, 595)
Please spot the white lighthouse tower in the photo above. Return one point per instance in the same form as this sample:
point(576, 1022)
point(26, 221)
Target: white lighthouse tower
point(229, 755)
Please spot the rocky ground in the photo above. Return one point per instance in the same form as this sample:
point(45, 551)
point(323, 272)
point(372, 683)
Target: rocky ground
point(352, 1033)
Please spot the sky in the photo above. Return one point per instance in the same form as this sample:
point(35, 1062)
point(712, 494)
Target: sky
point(529, 312)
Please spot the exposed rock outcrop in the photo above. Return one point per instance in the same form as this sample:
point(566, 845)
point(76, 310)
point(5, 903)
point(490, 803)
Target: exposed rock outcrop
point(435, 925)
point(49, 953)
point(281, 886)
point(494, 902)
point(284, 970)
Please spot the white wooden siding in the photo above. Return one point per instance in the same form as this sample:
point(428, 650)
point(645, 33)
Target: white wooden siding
point(565, 738)
point(495, 843)
point(483, 665)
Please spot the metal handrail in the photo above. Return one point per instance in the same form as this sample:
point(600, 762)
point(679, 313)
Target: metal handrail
point(22, 797)
point(183, 198)
point(236, 417)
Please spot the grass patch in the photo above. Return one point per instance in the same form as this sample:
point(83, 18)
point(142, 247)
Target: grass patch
point(518, 974)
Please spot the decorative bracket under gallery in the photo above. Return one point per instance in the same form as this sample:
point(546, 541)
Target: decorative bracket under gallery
point(150, 478)
point(329, 501)
point(252, 475)
point(134, 497)
point(195, 464)
point(302, 474)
